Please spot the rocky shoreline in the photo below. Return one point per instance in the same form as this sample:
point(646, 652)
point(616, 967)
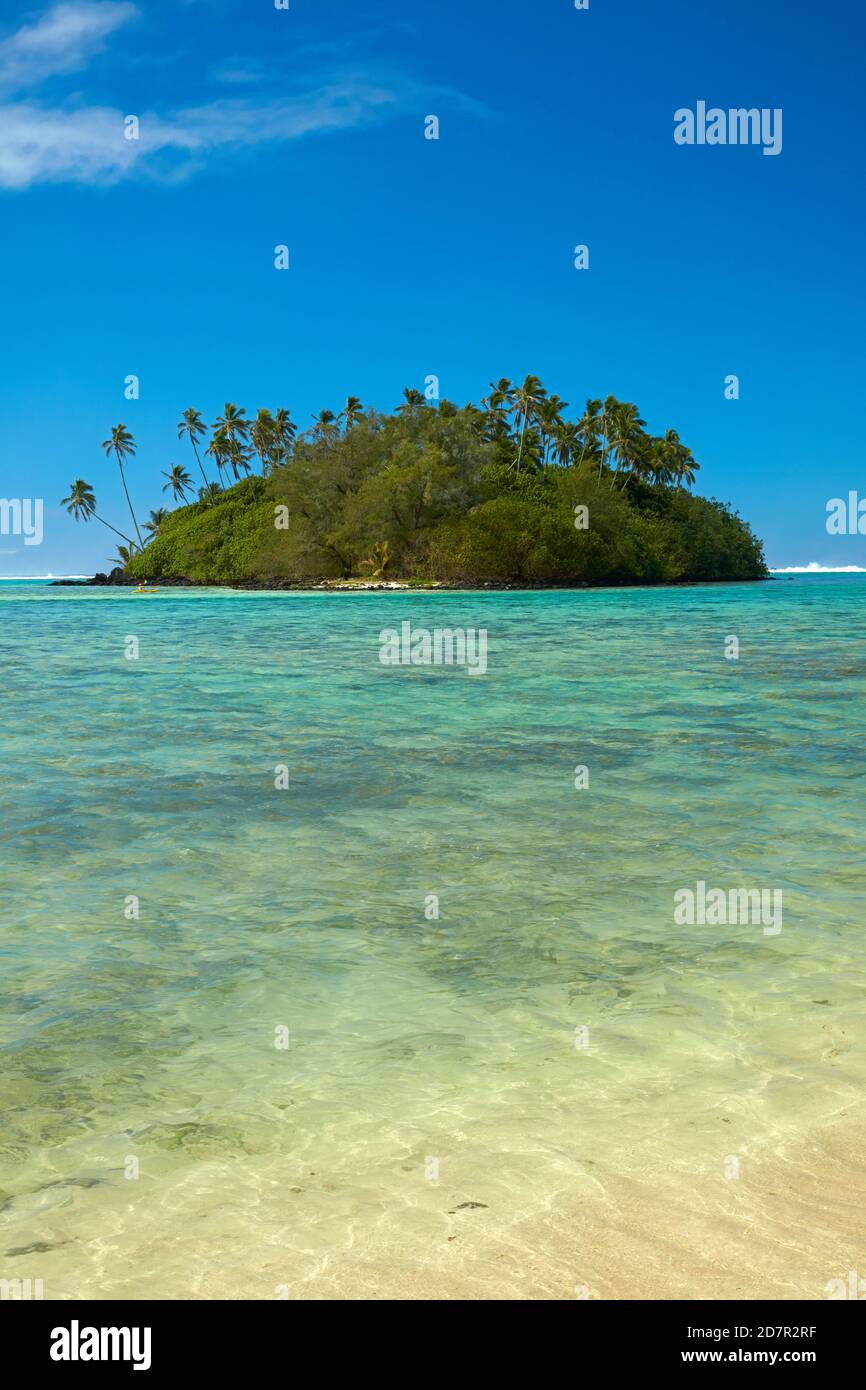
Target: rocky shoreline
point(118, 578)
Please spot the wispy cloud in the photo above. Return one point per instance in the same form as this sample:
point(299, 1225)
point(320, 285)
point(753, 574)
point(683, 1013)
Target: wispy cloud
point(88, 145)
point(62, 40)
point(71, 142)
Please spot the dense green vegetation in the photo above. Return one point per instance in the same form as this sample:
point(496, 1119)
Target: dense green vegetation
point(512, 492)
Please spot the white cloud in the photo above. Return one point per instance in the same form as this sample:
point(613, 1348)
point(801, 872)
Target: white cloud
point(88, 145)
point(38, 145)
point(62, 40)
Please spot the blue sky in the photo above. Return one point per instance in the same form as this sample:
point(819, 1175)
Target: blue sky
point(412, 257)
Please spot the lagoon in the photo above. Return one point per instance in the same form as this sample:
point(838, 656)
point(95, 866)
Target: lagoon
point(159, 1138)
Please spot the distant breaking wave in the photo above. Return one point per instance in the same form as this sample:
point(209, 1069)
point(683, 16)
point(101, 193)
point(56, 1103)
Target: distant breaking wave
point(814, 568)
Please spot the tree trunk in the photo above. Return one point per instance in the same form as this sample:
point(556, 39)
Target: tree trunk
point(129, 503)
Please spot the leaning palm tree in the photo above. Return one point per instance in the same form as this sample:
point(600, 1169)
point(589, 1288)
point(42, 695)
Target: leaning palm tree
point(525, 401)
point(122, 445)
point(179, 482)
point(156, 520)
point(81, 504)
point(193, 425)
point(352, 414)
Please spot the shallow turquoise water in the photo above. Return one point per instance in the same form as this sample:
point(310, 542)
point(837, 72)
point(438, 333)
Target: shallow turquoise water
point(409, 1039)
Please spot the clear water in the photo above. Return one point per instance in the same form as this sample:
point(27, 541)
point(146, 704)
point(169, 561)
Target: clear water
point(148, 1045)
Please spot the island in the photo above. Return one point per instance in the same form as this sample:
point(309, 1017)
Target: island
point(508, 493)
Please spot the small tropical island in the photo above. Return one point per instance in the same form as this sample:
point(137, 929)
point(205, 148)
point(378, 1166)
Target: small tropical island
point(510, 493)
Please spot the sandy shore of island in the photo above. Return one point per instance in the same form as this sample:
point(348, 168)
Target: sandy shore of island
point(654, 1228)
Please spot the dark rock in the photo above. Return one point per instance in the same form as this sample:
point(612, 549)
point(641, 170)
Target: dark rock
point(118, 576)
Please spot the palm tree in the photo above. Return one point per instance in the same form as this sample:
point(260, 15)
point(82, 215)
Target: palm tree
point(650, 464)
point(218, 450)
point(525, 401)
point(238, 457)
point(179, 481)
point(263, 437)
point(412, 400)
point(81, 504)
point(193, 425)
point(549, 418)
point(665, 457)
point(626, 430)
point(589, 425)
point(605, 429)
point(284, 431)
point(684, 466)
point(643, 459)
point(233, 423)
point(122, 445)
point(497, 405)
point(673, 461)
point(156, 520)
point(125, 553)
point(566, 438)
point(479, 420)
point(351, 414)
point(324, 423)
point(209, 494)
